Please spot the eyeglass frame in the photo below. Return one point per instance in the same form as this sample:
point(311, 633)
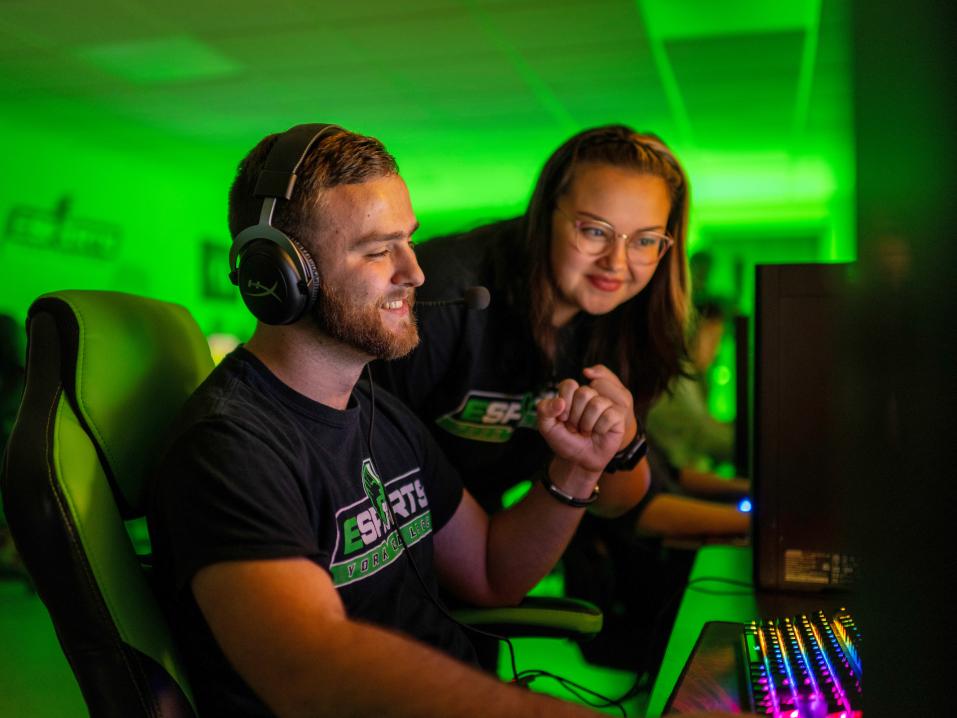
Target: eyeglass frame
point(664, 240)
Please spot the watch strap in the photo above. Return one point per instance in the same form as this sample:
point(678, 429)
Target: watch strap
point(628, 458)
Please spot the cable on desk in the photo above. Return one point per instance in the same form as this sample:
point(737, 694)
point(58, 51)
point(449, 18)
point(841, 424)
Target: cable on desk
point(721, 579)
point(585, 695)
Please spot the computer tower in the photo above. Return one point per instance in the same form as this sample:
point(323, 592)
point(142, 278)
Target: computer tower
point(798, 492)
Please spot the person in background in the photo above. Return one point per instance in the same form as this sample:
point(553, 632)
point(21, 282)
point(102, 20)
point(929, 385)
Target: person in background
point(687, 498)
point(679, 422)
point(691, 504)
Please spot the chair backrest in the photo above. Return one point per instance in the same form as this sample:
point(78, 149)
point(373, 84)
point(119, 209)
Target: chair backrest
point(106, 374)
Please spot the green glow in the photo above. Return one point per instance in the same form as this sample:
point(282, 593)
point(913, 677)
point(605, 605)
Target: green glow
point(552, 585)
point(762, 179)
point(159, 60)
point(722, 381)
point(533, 653)
point(698, 18)
point(165, 196)
point(516, 493)
point(722, 375)
point(157, 157)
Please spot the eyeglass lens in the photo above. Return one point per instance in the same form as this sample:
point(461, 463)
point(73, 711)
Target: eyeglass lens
point(596, 239)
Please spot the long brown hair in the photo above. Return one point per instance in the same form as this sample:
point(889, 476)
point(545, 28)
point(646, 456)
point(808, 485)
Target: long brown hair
point(643, 339)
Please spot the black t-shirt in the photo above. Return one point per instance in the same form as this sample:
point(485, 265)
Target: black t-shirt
point(476, 376)
point(258, 471)
point(474, 380)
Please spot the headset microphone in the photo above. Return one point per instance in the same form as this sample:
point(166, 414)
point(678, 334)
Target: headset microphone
point(477, 298)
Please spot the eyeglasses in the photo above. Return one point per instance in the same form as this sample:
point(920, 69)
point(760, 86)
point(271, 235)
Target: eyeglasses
point(596, 238)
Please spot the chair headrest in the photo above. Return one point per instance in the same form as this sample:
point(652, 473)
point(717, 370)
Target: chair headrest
point(128, 365)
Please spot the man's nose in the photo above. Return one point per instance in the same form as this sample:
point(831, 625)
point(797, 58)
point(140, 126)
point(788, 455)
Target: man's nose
point(408, 271)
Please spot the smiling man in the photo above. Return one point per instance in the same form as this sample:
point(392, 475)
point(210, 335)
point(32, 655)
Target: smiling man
point(285, 518)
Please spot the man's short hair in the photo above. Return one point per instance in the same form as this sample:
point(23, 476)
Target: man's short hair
point(342, 157)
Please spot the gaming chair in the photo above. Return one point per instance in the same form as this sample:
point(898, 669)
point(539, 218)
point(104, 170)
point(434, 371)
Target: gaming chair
point(106, 374)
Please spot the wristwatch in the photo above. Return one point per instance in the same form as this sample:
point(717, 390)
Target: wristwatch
point(628, 458)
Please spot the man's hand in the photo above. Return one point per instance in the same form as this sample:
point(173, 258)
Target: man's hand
point(607, 384)
point(581, 425)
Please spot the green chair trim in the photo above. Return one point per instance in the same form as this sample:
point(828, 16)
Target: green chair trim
point(538, 616)
point(130, 331)
point(107, 548)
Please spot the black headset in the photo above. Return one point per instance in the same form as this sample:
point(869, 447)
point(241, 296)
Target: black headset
point(276, 276)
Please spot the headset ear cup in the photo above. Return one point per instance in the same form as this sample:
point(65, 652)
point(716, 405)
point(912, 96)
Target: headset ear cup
point(272, 284)
point(276, 276)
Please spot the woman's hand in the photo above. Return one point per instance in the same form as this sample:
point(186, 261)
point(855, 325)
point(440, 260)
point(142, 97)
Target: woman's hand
point(604, 381)
point(581, 425)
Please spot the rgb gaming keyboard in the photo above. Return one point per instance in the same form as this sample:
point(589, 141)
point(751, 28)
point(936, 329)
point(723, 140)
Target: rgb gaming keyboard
point(806, 666)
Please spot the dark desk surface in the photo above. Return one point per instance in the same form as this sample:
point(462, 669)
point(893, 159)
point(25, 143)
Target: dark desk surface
point(716, 600)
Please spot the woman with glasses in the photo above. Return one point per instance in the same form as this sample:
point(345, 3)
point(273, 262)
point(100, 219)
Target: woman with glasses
point(590, 283)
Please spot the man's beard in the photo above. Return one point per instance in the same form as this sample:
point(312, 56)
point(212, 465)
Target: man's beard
point(361, 327)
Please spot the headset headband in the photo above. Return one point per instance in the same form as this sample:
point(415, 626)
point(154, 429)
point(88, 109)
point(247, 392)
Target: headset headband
point(277, 181)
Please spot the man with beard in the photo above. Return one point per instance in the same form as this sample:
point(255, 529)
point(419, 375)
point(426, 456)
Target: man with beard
point(284, 527)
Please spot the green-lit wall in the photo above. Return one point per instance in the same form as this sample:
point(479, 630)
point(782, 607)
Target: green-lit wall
point(772, 173)
point(166, 200)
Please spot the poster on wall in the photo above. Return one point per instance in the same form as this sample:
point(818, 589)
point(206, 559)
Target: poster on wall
point(58, 230)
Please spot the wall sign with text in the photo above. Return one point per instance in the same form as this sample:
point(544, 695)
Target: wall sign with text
point(56, 230)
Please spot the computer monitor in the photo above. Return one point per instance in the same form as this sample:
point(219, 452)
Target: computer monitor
point(797, 488)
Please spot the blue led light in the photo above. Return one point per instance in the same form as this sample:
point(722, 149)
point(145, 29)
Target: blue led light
point(744, 506)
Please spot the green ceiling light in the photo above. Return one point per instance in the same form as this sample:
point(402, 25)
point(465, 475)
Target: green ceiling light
point(756, 178)
point(693, 18)
point(159, 60)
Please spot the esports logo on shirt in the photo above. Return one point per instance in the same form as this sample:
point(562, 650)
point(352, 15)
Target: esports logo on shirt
point(493, 416)
point(372, 485)
point(366, 540)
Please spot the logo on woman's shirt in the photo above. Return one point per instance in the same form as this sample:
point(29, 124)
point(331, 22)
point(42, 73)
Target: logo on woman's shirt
point(493, 416)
